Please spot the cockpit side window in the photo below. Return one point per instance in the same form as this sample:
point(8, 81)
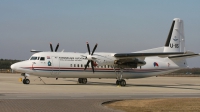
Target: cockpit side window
point(33, 58)
point(42, 58)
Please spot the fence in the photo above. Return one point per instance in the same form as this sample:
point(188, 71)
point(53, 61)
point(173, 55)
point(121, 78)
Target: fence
point(7, 71)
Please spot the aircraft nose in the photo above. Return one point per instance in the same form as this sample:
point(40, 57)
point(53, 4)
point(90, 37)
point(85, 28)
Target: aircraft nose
point(13, 66)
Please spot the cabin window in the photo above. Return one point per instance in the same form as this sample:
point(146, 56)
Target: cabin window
point(105, 66)
point(42, 58)
point(33, 58)
point(81, 65)
point(78, 65)
point(74, 65)
point(70, 65)
point(108, 66)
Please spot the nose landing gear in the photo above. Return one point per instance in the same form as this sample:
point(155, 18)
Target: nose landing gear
point(25, 80)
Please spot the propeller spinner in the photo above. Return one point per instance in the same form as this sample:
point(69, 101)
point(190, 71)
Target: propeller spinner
point(89, 57)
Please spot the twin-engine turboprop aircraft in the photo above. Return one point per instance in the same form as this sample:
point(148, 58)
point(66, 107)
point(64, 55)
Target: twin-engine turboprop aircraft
point(118, 66)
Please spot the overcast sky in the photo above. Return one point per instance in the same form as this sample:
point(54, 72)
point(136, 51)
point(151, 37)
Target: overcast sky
point(116, 25)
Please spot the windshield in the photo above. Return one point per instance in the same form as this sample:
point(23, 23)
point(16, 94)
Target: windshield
point(42, 58)
point(33, 58)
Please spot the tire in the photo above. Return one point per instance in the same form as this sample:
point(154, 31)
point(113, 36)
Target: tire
point(117, 82)
point(24, 81)
point(84, 80)
point(27, 81)
point(80, 80)
point(123, 83)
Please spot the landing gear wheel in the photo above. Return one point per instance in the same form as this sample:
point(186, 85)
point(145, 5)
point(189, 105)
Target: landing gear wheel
point(80, 80)
point(26, 81)
point(84, 80)
point(117, 82)
point(123, 82)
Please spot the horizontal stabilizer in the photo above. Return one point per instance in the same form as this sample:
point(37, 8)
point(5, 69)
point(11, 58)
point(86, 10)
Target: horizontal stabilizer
point(185, 56)
point(35, 51)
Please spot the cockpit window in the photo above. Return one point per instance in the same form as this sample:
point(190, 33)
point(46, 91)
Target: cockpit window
point(33, 58)
point(42, 58)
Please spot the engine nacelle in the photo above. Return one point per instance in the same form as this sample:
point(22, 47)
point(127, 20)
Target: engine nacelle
point(129, 63)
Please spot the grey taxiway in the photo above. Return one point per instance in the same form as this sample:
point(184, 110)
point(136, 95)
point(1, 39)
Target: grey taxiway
point(67, 94)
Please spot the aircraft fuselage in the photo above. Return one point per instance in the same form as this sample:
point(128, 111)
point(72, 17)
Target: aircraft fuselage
point(71, 65)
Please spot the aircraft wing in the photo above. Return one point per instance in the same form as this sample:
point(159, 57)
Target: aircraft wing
point(35, 51)
point(161, 54)
point(132, 60)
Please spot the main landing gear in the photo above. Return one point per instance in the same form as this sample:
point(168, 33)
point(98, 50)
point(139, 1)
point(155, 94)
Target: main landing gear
point(120, 81)
point(82, 80)
point(25, 80)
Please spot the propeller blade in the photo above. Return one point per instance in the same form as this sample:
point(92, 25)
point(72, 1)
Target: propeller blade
point(57, 47)
point(92, 58)
point(94, 49)
point(51, 47)
point(88, 46)
point(87, 64)
point(92, 64)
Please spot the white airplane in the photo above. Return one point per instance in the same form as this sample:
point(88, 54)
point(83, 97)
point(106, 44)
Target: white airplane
point(120, 66)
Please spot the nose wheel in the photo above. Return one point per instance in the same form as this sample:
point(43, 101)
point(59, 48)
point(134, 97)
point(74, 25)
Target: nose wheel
point(26, 81)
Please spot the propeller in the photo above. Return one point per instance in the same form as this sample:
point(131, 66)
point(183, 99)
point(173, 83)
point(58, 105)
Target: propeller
point(51, 47)
point(57, 47)
point(89, 57)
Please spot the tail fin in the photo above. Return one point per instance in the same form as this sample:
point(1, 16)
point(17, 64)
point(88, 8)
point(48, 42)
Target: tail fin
point(176, 39)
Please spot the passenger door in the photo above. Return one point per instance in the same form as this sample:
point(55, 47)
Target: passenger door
point(55, 63)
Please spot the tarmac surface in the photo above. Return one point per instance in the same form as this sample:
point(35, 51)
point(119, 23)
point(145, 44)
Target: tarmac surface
point(67, 95)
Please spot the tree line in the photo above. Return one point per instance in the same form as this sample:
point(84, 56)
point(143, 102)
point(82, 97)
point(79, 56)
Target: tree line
point(6, 63)
point(188, 71)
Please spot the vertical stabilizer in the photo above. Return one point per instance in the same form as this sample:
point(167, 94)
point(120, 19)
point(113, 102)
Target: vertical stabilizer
point(176, 39)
